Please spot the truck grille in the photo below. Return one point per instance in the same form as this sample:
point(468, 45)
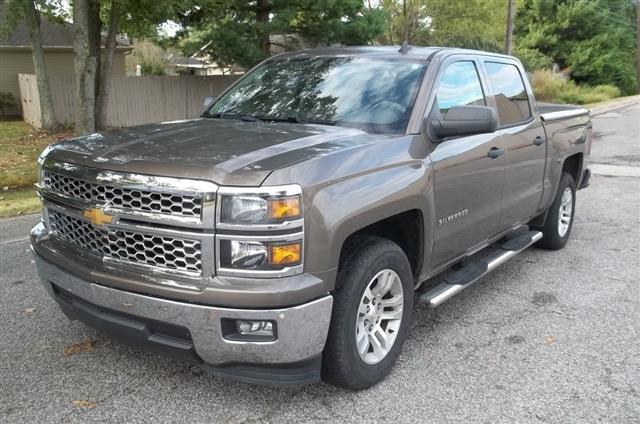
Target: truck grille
point(160, 251)
point(124, 198)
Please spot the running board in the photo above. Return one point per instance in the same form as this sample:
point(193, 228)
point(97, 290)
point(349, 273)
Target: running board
point(473, 271)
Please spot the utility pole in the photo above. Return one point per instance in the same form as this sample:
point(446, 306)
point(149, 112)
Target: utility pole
point(638, 42)
point(508, 39)
point(405, 29)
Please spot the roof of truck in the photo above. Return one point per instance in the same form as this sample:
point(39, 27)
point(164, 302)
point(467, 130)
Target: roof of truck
point(412, 52)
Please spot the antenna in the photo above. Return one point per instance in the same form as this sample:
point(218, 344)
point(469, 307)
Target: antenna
point(405, 47)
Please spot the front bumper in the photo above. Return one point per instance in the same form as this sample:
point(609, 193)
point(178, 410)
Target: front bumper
point(194, 332)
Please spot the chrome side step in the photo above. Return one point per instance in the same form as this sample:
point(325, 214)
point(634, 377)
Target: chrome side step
point(473, 271)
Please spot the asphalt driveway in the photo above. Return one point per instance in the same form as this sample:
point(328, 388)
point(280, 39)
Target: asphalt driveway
point(549, 337)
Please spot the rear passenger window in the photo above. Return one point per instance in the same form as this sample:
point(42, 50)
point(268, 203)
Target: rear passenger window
point(510, 94)
point(460, 86)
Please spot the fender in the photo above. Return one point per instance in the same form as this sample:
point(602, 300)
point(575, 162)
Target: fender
point(371, 183)
point(565, 138)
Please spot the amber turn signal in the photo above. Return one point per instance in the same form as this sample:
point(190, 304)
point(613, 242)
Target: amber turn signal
point(285, 254)
point(284, 208)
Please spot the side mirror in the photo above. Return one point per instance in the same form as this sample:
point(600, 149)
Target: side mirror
point(461, 120)
point(208, 100)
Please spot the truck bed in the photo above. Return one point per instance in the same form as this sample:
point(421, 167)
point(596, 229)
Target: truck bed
point(553, 111)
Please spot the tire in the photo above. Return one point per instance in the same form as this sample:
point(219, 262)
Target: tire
point(554, 236)
point(369, 257)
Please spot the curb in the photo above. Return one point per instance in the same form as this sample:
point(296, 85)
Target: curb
point(610, 108)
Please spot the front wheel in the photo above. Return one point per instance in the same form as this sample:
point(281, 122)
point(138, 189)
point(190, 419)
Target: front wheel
point(557, 226)
point(371, 312)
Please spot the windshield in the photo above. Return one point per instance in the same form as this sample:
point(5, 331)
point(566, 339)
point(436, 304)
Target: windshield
point(375, 95)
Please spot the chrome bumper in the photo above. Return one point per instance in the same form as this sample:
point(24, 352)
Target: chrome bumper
point(301, 330)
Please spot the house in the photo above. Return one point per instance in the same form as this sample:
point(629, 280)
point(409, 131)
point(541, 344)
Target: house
point(201, 63)
point(57, 42)
point(183, 65)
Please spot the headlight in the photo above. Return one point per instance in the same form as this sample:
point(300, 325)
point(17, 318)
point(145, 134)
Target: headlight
point(252, 249)
point(260, 255)
point(266, 206)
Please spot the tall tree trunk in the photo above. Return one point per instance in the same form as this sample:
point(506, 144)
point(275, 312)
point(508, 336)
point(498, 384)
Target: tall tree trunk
point(86, 51)
point(508, 39)
point(262, 17)
point(105, 69)
point(48, 117)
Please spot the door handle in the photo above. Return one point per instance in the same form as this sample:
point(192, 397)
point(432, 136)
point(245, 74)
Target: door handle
point(538, 140)
point(495, 152)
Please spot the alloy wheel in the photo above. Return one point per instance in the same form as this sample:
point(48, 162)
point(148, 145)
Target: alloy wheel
point(379, 316)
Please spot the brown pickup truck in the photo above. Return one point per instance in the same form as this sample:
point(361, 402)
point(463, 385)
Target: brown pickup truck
point(282, 235)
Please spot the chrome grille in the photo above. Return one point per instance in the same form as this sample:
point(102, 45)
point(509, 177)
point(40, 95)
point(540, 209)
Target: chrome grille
point(160, 251)
point(124, 198)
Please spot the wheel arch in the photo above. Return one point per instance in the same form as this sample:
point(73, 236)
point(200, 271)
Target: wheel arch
point(406, 229)
point(573, 165)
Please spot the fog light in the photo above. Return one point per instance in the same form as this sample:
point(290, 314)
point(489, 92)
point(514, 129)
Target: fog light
point(248, 330)
point(254, 328)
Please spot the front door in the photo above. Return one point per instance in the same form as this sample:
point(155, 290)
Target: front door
point(467, 182)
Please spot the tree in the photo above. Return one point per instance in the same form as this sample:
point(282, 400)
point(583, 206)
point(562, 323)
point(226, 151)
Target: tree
point(240, 32)
point(104, 88)
point(477, 24)
point(595, 39)
point(92, 63)
point(405, 19)
point(15, 11)
point(86, 46)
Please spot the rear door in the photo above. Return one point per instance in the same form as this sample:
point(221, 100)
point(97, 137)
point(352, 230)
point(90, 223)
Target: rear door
point(467, 182)
point(521, 134)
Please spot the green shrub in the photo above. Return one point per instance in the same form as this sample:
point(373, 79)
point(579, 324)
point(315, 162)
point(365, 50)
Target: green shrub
point(152, 66)
point(584, 94)
point(550, 87)
point(152, 59)
point(533, 59)
point(606, 90)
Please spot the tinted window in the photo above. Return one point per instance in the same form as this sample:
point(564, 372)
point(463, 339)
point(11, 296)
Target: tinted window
point(460, 85)
point(510, 94)
point(372, 94)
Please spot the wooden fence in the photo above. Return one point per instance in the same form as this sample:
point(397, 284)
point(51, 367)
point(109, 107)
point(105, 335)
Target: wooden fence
point(132, 101)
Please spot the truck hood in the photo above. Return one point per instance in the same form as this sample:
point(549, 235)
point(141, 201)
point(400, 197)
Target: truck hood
point(225, 151)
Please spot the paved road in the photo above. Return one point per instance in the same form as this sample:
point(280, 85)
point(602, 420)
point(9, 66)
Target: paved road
point(549, 337)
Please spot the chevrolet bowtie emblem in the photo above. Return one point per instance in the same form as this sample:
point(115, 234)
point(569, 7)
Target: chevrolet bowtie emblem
point(97, 216)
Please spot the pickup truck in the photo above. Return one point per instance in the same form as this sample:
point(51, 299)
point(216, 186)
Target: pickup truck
point(284, 235)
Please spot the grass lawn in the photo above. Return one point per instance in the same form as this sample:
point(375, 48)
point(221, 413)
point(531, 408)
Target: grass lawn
point(20, 145)
point(19, 201)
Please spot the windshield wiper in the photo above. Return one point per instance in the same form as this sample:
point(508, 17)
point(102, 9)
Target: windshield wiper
point(297, 120)
point(241, 116)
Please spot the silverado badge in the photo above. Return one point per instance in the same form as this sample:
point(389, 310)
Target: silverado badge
point(453, 217)
point(97, 216)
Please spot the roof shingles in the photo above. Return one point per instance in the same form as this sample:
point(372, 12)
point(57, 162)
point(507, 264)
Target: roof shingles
point(54, 35)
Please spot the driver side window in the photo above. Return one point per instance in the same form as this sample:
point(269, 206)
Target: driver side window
point(459, 86)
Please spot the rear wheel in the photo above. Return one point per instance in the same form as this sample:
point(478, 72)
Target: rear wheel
point(557, 226)
point(371, 312)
